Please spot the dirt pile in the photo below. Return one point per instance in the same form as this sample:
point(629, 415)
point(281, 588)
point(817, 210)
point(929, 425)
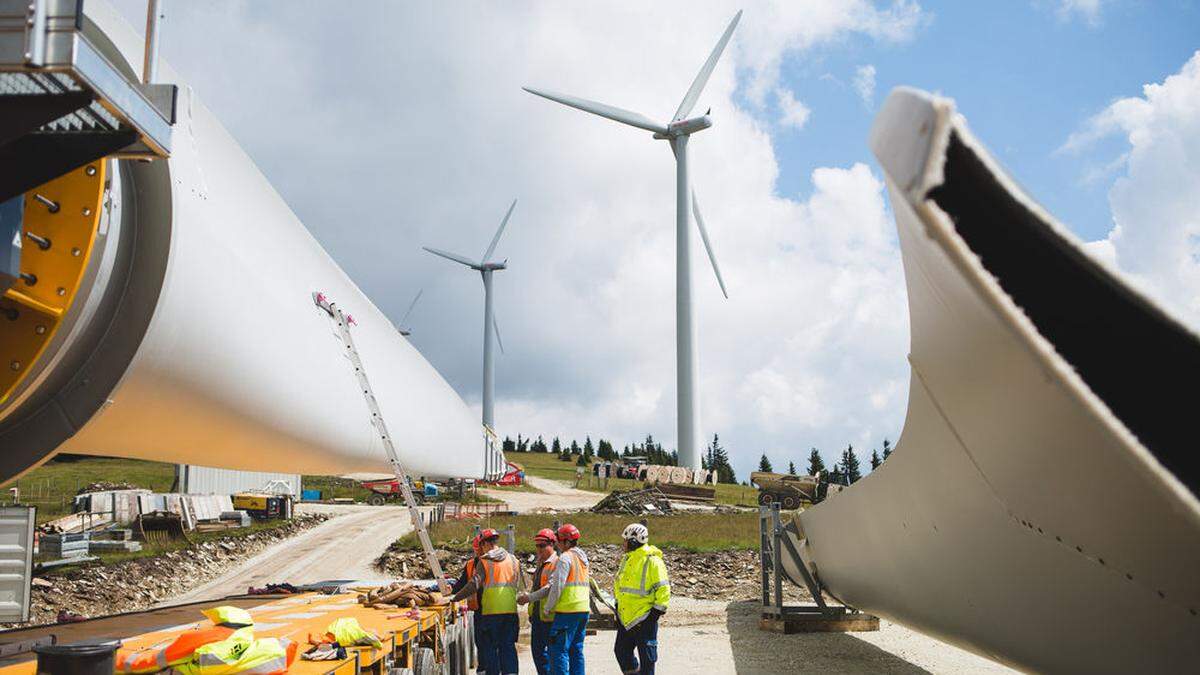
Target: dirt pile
point(106, 486)
point(130, 585)
point(717, 575)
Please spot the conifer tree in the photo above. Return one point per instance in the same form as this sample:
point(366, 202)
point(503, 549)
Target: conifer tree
point(887, 448)
point(791, 468)
point(815, 464)
point(875, 460)
point(850, 467)
point(764, 464)
point(556, 446)
point(589, 450)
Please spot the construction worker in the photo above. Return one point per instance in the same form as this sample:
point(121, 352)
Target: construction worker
point(642, 592)
point(473, 602)
point(495, 577)
point(539, 618)
point(225, 619)
point(566, 596)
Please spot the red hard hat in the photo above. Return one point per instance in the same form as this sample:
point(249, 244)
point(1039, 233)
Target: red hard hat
point(475, 544)
point(568, 532)
point(489, 533)
point(545, 534)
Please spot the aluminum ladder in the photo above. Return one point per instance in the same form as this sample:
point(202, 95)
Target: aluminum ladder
point(343, 322)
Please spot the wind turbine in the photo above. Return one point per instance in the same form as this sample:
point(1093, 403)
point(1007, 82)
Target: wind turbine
point(490, 327)
point(407, 331)
point(677, 132)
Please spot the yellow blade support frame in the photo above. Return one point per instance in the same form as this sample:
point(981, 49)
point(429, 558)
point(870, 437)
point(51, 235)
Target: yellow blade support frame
point(66, 213)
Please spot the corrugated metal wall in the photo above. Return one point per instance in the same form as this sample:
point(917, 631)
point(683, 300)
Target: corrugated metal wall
point(204, 480)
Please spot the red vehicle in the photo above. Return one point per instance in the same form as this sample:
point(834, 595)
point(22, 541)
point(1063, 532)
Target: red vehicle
point(514, 476)
point(383, 491)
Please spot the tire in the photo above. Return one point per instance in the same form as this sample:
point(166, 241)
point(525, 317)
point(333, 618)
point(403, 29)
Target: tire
point(376, 499)
point(423, 662)
point(766, 499)
point(790, 502)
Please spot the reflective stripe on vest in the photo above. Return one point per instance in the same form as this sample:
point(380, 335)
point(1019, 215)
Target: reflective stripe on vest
point(241, 653)
point(500, 585)
point(177, 651)
point(574, 596)
point(540, 578)
point(635, 602)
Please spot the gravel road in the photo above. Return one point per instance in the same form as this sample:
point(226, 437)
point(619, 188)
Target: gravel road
point(553, 495)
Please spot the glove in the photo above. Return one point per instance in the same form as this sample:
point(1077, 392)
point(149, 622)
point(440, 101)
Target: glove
point(655, 613)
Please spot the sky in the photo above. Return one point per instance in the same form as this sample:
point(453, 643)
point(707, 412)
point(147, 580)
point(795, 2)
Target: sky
point(391, 126)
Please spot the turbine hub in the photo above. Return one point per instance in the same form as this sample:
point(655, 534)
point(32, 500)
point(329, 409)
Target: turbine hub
point(686, 127)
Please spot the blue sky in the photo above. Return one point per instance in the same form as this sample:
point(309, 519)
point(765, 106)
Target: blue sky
point(1025, 75)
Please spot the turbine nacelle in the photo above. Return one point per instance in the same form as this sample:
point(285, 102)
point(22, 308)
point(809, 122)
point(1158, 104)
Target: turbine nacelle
point(685, 127)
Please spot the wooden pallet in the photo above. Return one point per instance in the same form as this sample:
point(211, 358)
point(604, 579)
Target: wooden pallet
point(816, 622)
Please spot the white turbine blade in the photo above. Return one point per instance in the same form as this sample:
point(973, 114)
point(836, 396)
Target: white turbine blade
point(689, 99)
point(707, 246)
point(611, 112)
point(411, 305)
point(496, 327)
point(496, 239)
point(453, 256)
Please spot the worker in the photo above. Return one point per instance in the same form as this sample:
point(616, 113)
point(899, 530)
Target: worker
point(539, 619)
point(642, 592)
point(495, 577)
point(463, 579)
point(226, 619)
point(566, 596)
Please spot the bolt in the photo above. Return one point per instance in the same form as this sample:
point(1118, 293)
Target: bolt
point(91, 171)
point(42, 242)
point(15, 365)
point(50, 203)
point(87, 211)
point(29, 279)
point(76, 252)
point(39, 329)
point(61, 291)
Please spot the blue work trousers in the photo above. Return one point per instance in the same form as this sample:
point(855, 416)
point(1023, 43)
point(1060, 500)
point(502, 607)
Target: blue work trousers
point(642, 639)
point(566, 643)
point(539, 644)
point(496, 638)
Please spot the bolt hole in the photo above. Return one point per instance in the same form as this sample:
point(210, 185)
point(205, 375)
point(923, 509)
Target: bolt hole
point(1129, 576)
point(1162, 595)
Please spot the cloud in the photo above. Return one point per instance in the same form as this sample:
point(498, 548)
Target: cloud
point(411, 129)
point(1088, 10)
point(864, 84)
point(793, 114)
point(1156, 203)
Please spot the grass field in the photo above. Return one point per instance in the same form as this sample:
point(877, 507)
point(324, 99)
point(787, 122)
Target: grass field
point(695, 532)
point(545, 465)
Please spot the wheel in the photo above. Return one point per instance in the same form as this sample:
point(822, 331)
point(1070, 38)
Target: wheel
point(423, 662)
point(790, 502)
point(765, 499)
point(376, 499)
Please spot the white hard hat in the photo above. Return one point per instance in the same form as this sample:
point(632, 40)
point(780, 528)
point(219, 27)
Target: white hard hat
point(637, 532)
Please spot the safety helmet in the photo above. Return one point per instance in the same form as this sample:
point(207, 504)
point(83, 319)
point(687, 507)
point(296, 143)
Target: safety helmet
point(545, 535)
point(488, 534)
point(636, 532)
point(568, 532)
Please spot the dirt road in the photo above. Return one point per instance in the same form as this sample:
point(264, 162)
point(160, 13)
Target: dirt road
point(553, 495)
point(340, 548)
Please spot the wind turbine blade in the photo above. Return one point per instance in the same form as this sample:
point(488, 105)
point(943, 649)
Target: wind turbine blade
point(454, 256)
point(496, 327)
point(611, 112)
point(411, 305)
point(690, 98)
point(496, 239)
point(707, 246)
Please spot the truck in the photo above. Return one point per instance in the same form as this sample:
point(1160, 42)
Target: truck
point(785, 489)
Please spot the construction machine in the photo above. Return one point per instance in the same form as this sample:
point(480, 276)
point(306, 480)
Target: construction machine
point(785, 489)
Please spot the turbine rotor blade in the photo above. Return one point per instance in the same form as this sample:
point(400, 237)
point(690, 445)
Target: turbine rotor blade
point(611, 112)
point(454, 256)
point(411, 305)
point(496, 328)
point(707, 245)
point(690, 98)
point(496, 239)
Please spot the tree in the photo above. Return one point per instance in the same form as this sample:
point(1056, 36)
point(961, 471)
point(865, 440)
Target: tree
point(589, 450)
point(583, 460)
point(556, 446)
point(764, 464)
point(719, 461)
point(850, 467)
point(508, 446)
point(887, 448)
point(575, 448)
point(815, 464)
point(538, 446)
point(875, 460)
point(791, 468)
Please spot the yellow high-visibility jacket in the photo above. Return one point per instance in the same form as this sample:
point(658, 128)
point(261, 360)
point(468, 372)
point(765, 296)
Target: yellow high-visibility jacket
point(640, 585)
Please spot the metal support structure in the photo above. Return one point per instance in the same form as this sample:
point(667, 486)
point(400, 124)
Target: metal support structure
point(774, 544)
point(150, 63)
point(343, 322)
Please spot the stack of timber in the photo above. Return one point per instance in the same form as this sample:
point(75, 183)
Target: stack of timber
point(688, 493)
point(400, 594)
point(650, 501)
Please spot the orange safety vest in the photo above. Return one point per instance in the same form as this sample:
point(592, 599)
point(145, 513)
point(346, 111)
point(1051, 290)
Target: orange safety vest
point(500, 585)
point(179, 650)
point(473, 601)
point(540, 578)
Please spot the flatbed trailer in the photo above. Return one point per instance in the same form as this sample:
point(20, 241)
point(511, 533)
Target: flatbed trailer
point(442, 628)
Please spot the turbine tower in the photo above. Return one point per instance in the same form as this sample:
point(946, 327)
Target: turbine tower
point(490, 327)
point(677, 132)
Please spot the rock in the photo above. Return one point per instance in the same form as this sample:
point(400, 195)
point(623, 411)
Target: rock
point(41, 583)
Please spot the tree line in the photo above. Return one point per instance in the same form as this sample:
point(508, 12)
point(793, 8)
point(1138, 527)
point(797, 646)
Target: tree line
point(845, 471)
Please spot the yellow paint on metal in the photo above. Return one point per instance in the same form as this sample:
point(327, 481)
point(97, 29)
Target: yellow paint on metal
point(250, 502)
point(31, 311)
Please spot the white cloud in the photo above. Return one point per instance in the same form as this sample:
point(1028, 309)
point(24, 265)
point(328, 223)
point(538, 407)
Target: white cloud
point(864, 84)
point(412, 129)
point(1156, 202)
point(793, 114)
point(1088, 10)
